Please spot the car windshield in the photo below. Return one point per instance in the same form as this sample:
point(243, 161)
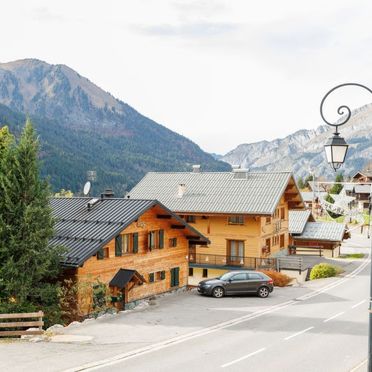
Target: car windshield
point(225, 277)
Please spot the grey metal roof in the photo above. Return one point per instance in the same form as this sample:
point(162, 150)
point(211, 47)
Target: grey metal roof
point(83, 232)
point(215, 192)
point(297, 221)
point(327, 231)
point(358, 188)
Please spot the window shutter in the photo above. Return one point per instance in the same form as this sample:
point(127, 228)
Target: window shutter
point(177, 276)
point(151, 277)
point(149, 241)
point(161, 239)
point(172, 277)
point(135, 243)
point(162, 275)
point(118, 246)
point(100, 254)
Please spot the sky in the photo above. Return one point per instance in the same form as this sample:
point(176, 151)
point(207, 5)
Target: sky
point(221, 72)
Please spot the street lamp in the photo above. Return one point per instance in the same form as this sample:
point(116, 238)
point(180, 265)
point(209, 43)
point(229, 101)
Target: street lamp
point(336, 149)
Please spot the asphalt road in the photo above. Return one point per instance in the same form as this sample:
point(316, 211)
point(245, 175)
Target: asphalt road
point(322, 331)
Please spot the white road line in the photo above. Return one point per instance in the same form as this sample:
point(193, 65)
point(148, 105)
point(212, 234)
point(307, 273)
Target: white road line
point(92, 366)
point(359, 365)
point(334, 316)
point(358, 304)
point(243, 357)
point(298, 333)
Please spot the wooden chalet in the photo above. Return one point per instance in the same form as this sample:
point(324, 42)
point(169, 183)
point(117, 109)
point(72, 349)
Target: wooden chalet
point(314, 238)
point(139, 248)
point(243, 214)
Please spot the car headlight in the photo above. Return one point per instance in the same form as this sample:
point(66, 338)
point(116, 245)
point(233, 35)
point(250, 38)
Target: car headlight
point(207, 285)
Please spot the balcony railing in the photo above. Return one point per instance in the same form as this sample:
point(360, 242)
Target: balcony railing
point(220, 261)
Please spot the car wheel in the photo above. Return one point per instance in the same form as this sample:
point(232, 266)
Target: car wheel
point(263, 292)
point(218, 292)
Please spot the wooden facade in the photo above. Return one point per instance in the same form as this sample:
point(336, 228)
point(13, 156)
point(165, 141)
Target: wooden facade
point(155, 246)
point(235, 240)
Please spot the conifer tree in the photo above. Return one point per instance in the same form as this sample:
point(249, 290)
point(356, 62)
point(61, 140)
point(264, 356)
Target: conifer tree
point(28, 265)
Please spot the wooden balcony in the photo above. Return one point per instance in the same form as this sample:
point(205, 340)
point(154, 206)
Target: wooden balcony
point(230, 262)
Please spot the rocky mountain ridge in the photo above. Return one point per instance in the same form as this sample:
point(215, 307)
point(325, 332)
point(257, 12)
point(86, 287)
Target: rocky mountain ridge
point(303, 151)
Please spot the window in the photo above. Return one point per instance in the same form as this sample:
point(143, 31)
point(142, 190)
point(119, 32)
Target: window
point(282, 213)
point(191, 271)
point(276, 214)
point(205, 273)
point(160, 275)
point(173, 242)
point(175, 277)
point(155, 239)
point(103, 253)
point(190, 219)
point(268, 243)
point(126, 243)
point(151, 277)
point(118, 246)
point(282, 240)
point(254, 276)
point(239, 277)
point(235, 220)
point(268, 220)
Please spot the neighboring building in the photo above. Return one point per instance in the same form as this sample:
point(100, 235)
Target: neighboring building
point(310, 237)
point(312, 200)
point(361, 193)
point(137, 247)
point(243, 214)
point(363, 177)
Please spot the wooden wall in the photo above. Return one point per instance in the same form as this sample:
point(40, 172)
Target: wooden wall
point(254, 232)
point(144, 261)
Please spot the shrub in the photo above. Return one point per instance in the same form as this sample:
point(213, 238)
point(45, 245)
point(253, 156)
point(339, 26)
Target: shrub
point(324, 270)
point(279, 279)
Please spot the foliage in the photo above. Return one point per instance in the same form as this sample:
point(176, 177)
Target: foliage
point(300, 183)
point(78, 298)
point(280, 279)
point(308, 179)
point(121, 155)
point(64, 194)
point(336, 188)
point(324, 270)
point(28, 266)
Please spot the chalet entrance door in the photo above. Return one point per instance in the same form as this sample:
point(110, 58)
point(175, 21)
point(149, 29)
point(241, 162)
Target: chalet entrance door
point(235, 252)
point(192, 253)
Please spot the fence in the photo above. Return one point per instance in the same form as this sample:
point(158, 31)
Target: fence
point(20, 325)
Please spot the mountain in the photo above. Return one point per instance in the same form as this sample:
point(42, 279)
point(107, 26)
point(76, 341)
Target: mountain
point(304, 149)
point(83, 128)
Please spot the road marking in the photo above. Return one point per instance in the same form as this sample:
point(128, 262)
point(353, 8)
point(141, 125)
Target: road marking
point(298, 333)
point(243, 357)
point(358, 304)
point(359, 365)
point(334, 316)
point(91, 366)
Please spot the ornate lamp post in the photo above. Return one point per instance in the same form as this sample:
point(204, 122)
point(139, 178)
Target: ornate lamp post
point(336, 150)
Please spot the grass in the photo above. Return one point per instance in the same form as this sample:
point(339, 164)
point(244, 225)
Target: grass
point(353, 255)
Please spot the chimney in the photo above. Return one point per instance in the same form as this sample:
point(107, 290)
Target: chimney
point(108, 193)
point(181, 190)
point(240, 173)
point(196, 168)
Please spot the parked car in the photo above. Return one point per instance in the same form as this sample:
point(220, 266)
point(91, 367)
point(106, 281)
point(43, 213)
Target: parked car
point(237, 283)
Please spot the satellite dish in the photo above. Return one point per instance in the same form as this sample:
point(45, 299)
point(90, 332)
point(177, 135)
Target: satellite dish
point(87, 187)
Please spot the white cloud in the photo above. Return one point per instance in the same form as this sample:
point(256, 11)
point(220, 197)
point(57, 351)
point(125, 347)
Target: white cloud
point(220, 72)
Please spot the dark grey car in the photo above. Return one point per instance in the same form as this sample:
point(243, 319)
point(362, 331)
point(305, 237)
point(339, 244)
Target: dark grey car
point(237, 283)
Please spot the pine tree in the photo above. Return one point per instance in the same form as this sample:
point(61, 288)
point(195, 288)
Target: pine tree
point(337, 187)
point(28, 265)
point(300, 183)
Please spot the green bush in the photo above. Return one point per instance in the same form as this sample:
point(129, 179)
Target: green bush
point(324, 270)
